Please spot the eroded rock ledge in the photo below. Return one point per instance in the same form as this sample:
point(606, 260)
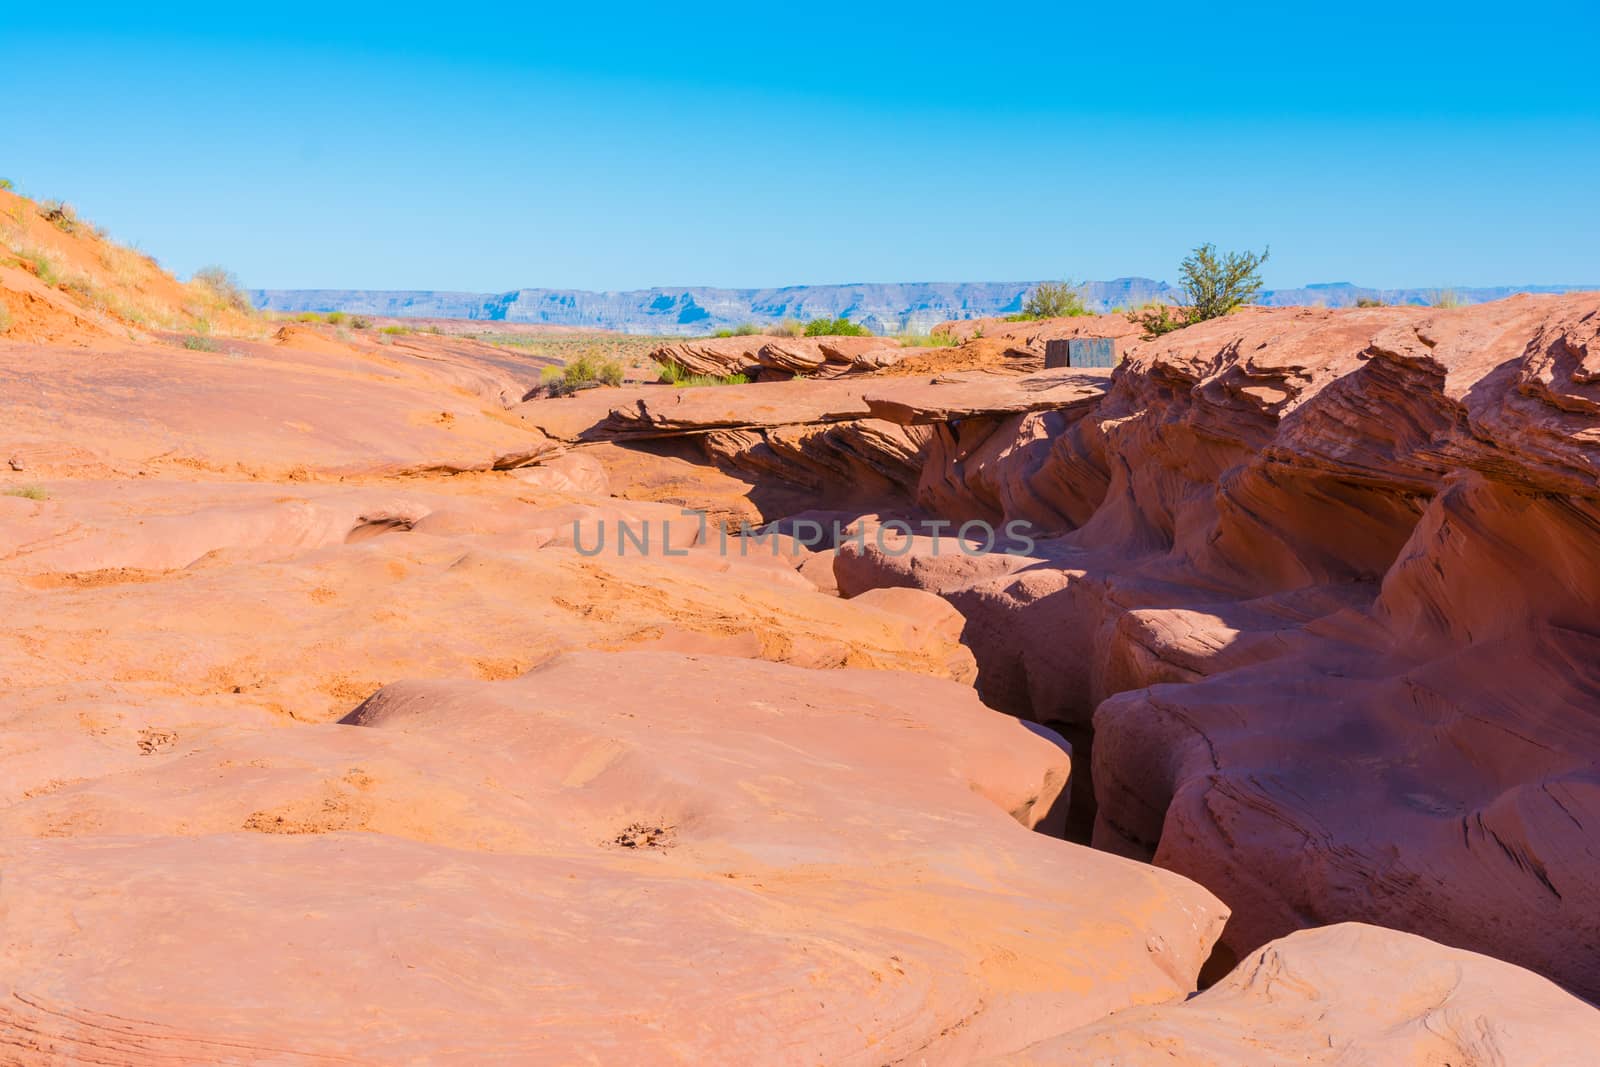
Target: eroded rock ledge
point(1328, 592)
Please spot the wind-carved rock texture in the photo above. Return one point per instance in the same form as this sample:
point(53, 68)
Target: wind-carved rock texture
point(531, 871)
point(1328, 594)
point(1341, 995)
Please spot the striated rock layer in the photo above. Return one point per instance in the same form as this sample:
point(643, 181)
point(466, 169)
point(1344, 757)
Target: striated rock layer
point(1328, 596)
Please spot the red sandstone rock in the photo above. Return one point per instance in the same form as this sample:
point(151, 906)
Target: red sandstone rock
point(734, 862)
point(1357, 550)
point(1346, 994)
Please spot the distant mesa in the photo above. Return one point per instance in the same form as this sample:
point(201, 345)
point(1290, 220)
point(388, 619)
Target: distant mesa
point(885, 308)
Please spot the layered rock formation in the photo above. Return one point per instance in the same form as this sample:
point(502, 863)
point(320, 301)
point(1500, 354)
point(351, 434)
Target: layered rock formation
point(761, 358)
point(1328, 602)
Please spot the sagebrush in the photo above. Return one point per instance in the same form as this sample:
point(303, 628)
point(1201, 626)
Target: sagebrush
point(1052, 300)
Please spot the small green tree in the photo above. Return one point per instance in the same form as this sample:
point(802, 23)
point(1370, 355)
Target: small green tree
point(1215, 285)
point(1053, 300)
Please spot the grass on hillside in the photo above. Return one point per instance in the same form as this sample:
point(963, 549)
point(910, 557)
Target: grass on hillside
point(29, 492)
point(59, 214)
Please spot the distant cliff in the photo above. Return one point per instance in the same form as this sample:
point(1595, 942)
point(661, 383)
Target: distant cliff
point(884, 308)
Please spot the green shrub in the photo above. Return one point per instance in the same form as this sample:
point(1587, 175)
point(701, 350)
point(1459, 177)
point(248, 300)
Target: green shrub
point(1156, 318)
point(333, 318)
point(30, 492)
point(744, 329)
point(1051, 300)
point(5, 318)
point(1216, 285)
point(840, 327)
point(671, 373)
point(395, 331)
point(586, 370)
point(223, 287)
point(1370, 302)
point(7, 183)
point(360, 322)
point(60, 214)
point(199, 342)
point(787, 328)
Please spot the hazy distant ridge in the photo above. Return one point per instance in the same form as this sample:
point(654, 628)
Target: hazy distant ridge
point(884, 307)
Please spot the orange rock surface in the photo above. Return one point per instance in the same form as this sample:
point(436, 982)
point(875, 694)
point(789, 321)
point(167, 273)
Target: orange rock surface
point(333, 732)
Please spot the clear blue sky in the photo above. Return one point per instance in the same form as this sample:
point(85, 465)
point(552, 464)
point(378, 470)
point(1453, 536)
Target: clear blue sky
point(464, 146)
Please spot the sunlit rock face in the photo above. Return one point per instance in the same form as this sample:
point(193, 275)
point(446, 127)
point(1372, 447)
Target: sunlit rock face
point(1326, 600)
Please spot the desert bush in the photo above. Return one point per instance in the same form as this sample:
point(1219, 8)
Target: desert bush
point(5, 318)
point(223, 287)
point(786, 328)
point(59, 214)
point(1215, 285)
point(199, 342)
point(586, 370)
point(1156, 318)
point(840, 327)
point(333, 318)
point(30, 492)
point(308, 316)
point(1447, 298)
point(395, 331)
point(1051, 300)
point(7, 183)
point(1370, 302)
point(360, 322)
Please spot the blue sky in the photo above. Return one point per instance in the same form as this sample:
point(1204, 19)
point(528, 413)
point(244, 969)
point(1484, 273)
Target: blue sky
point(614, 146)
